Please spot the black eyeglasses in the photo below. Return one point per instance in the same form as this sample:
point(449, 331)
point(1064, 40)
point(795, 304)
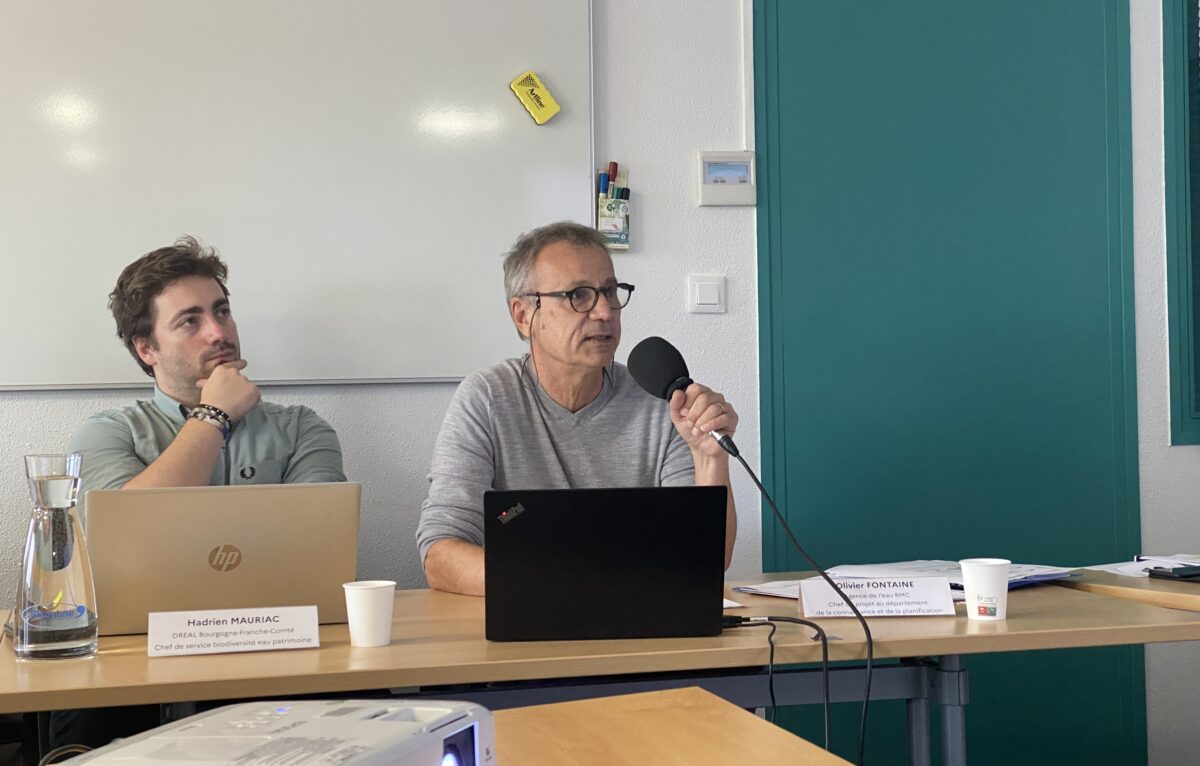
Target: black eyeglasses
point(584, 298)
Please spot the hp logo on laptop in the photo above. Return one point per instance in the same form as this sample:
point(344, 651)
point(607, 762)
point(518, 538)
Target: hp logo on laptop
point(224, 557)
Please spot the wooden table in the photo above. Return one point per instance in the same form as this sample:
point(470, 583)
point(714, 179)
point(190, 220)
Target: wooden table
point(678, 726)
point(438, 641)
point(1172, 594)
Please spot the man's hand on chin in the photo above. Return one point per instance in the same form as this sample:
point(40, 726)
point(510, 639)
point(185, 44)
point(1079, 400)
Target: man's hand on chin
point(227, 389)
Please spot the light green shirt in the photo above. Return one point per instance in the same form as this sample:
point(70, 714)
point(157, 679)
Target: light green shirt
point(271, 444)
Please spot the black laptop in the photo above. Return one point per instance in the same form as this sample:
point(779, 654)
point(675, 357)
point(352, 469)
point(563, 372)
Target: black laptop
point(645, 562)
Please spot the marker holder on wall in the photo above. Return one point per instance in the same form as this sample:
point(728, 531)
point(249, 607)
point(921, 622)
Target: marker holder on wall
point(612, 206)
point(612, 220)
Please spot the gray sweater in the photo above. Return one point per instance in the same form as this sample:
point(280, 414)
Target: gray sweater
point(501, 431)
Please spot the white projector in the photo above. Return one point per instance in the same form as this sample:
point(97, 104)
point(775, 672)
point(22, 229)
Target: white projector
point(344, 732)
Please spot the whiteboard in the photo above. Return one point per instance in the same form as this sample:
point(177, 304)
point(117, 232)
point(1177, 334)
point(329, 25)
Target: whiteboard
point(361, 165)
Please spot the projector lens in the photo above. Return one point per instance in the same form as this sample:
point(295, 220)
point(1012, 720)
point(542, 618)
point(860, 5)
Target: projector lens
point(458, 749)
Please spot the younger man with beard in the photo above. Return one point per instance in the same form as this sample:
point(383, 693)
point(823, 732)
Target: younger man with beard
point(205, 425)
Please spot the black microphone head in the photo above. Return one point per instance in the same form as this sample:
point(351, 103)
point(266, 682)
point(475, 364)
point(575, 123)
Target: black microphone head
point(658, 367)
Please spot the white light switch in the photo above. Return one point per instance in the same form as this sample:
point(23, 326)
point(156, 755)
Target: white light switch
point(706, 294)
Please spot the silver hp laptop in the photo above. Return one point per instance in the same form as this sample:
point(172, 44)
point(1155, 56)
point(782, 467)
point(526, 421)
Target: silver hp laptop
point(167, 550)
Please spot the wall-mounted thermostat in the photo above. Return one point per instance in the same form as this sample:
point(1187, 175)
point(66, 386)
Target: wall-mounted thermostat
point(727, 178)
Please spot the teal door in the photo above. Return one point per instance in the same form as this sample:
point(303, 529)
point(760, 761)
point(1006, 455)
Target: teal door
point(946, 323)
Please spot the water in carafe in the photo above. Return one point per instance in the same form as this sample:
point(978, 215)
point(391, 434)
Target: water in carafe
point(55, 614)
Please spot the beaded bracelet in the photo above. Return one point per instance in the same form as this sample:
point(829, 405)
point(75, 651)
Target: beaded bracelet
point(206, 413)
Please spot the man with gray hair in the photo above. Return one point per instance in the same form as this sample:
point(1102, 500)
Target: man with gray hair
point(565, 415)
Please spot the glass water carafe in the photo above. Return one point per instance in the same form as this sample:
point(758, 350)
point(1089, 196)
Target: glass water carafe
point(55, 614)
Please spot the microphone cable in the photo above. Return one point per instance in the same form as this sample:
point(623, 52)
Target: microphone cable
point(862, 723)
point(750, 622)
point(658, 367)
point(758, 622)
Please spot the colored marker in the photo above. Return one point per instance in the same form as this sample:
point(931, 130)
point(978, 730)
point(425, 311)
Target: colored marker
point(604, 183)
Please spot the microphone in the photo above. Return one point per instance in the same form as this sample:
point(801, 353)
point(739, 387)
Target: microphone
point(658, 367)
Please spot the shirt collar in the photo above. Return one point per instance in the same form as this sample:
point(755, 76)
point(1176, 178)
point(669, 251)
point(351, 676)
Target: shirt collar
point(549, 406)
point(175, 411)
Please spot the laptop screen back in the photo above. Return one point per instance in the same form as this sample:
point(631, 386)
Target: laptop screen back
point(165, 550)
point(604, 563)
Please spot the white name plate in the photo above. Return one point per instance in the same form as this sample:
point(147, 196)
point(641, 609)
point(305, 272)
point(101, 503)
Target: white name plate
point(878, 596)
point(218, 631)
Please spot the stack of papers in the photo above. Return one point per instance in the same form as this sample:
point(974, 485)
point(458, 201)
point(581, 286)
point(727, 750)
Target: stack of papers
point(1018, 575)
point(780, 588)
point(1142, 564)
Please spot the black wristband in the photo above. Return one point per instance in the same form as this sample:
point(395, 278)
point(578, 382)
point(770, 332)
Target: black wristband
point(216, 412)
point(215, 416)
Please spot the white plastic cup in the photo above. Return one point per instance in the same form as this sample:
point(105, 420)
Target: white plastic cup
point(369, 611)
point(985, 584)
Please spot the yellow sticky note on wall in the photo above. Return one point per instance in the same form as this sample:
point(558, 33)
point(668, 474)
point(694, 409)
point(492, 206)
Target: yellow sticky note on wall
point(534, 96)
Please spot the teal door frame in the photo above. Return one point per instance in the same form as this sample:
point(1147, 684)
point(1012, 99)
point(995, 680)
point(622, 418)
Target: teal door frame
point(1113, 356)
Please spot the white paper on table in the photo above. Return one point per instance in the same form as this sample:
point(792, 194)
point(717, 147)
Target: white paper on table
point(1026, 574)
point(1174, 560)
point(1126, 568)
point(1138, 567)
point(779, 588)
point(1017, 573)
point(731, 604)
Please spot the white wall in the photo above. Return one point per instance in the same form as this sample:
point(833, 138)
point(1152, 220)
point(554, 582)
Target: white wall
point(673, 79)
point(670, 81)
point(1170, 476)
